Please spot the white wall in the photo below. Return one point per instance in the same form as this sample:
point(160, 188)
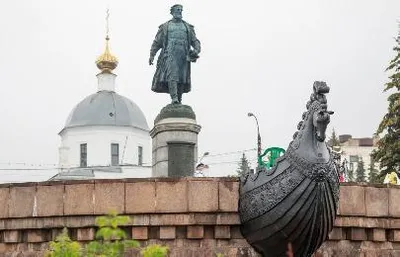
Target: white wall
point(99, 140)
point(361, 151)
point(127, 172)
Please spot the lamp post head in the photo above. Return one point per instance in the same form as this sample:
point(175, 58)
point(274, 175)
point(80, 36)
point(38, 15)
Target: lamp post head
point(250, 114)
point(204, 155)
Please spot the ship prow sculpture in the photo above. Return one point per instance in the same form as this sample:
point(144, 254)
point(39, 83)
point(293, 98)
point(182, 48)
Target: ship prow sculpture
point(296, 200)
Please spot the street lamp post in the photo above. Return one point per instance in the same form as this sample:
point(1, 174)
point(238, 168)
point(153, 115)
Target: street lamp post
point(199, 163)
point(258, 137)
point(204, 155)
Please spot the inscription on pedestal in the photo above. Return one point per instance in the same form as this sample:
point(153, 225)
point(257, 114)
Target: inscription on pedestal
point(180, 159)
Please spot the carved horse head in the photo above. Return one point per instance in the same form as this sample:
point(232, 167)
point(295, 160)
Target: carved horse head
point(308, 141)
point(321, 120)
point(321, 116)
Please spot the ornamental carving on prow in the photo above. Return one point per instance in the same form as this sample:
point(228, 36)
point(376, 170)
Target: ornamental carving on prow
point(269, 194)
point(314, 171)
point(300, 191)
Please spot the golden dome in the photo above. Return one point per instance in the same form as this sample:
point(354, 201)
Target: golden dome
point(107, 62)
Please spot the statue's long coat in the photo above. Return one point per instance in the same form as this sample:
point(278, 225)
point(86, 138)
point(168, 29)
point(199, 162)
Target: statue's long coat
point(160, 83)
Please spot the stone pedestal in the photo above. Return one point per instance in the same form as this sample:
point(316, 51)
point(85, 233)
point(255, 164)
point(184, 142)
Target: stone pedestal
point(174, 139)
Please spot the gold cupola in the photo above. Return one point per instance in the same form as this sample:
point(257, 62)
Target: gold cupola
point(107, 62)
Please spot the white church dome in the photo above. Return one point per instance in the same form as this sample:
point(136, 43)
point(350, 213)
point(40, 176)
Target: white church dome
point(106, 108)
point(106, 135)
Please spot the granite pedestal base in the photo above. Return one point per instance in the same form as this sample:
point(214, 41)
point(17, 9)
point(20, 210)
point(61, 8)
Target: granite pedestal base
point(174, 139)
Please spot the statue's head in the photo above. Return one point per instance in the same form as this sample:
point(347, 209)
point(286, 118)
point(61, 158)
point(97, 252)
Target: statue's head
point(176, 11)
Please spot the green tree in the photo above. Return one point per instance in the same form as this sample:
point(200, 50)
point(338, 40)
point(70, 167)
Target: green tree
point(388, 151)
point(63, 246)
point(110, 239)
point(360, 171)
point(334, 140)
point(244, 166)
point(374, 173)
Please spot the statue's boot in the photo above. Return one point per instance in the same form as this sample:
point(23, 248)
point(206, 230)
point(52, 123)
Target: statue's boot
point(180, 89)
point(173, 91)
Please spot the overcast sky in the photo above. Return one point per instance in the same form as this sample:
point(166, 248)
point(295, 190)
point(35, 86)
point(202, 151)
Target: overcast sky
point(257, 56)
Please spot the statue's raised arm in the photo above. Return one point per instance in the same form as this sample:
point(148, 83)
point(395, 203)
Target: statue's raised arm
point(179, 47)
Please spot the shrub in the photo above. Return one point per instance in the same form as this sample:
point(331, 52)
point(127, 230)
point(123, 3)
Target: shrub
point(155, 251)
point(63, 246)
point(110, 239)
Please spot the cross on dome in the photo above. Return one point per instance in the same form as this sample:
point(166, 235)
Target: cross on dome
point(107, 62)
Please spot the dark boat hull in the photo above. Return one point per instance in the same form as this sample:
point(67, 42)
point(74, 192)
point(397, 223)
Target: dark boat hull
point(295, 202)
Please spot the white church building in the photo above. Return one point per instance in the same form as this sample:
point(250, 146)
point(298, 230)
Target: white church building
point(106, 135)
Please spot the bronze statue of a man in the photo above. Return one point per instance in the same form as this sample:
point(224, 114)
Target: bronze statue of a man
point(180, 46)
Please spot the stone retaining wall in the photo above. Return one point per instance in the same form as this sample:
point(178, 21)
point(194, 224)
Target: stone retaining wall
point(194, 217)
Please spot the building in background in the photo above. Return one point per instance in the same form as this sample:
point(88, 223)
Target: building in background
point(106, 135)
point(352, 149)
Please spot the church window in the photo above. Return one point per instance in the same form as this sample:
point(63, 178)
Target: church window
point(114, 154)
point(83, 156)
point(140, 155)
